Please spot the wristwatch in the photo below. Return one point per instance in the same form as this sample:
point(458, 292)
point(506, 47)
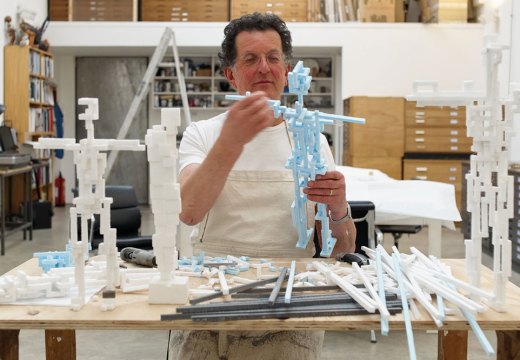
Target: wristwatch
point(345, 218)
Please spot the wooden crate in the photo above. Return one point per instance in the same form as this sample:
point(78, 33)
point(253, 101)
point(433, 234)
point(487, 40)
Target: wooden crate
point(103, 10)
point(381, 11)
point(288, 10)
point(183, 10)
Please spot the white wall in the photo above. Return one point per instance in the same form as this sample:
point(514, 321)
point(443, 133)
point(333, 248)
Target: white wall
point(9, 8)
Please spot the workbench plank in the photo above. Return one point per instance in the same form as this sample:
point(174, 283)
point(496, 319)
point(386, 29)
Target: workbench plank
point(133, 312)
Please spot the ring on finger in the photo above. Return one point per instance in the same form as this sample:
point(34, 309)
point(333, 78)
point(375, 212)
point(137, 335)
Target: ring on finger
point(331, 192)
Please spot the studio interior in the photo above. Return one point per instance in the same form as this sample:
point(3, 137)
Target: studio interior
point(264, 179)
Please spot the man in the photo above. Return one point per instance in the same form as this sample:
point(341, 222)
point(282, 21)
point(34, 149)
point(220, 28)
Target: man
point(236, 190)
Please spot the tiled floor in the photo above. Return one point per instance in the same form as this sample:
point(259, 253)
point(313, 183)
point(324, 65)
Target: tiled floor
point(131, 344)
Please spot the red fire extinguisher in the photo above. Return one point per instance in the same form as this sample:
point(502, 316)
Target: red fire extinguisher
point(59, 183)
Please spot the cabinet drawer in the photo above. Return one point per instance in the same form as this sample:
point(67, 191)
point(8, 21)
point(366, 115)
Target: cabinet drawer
point(447, 171)
point(183, 10)
point(434, 116)
point(389, 165)
point(289, 10)
point(426, 139)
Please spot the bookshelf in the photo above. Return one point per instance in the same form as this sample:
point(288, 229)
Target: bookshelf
point(28, 98)
point(207, 87)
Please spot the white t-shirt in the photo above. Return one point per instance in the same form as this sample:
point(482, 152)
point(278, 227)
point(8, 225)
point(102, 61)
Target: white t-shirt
point(268, 151)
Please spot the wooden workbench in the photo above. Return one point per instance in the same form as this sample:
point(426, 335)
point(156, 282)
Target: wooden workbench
point(133, 312)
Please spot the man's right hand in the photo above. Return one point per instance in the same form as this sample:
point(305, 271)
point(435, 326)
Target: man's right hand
point(245, 119)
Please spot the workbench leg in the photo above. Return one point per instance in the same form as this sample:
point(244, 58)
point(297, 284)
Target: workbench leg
point(9, 344)
point(508, 345)
point(435, 238)
point(452, 345)
point(60, 344)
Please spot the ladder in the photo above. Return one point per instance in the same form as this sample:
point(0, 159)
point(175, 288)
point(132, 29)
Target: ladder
point(167, 39)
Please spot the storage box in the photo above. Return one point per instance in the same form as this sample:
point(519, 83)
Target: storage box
point(103, 10)
point(183, 10)
point(438, 11)
point(59, 10)
point(288, 10)
point(381, 11)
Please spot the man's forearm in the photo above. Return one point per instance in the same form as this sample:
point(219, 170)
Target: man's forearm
point(345, 235)
point(201, 187)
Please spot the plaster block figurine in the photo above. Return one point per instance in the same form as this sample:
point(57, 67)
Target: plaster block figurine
point(305, 160)
point(90, 159)
point(161, 142)
point(490, 188)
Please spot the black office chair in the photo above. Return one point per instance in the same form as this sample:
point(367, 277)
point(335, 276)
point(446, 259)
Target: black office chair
point(367, 234)
point(125, 217)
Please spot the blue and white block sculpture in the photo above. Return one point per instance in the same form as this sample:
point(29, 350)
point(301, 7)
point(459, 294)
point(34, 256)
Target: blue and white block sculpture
point(305, 161)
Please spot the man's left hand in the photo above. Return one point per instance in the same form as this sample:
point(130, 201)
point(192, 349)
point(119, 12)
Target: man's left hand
point(328, 189)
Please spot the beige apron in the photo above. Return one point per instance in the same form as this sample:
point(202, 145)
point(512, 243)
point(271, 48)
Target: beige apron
point(252, 216)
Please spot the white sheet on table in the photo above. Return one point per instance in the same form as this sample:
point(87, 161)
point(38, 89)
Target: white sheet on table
point(401, 199)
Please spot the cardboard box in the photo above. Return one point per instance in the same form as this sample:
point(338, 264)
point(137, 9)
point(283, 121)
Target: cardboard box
point(439, 11)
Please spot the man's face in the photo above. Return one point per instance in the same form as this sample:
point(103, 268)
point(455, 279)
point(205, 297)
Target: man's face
point(259, 64)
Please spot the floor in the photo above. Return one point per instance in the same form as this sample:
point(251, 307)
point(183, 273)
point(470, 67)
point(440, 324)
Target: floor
point(134, 345)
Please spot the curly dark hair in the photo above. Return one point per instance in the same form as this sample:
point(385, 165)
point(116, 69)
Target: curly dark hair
point(255, 21)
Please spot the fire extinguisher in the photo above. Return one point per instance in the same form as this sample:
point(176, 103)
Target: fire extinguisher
point(59, 183)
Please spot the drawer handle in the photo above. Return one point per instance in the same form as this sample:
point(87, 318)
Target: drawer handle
point(453, 169)
point(419, 113)
point(454, 132)
point(454, 113)
point(454, 121)
point(419, 132)
point(421, 168)
point(420, 140)
point(452, 178)
point(454, 148)
point(421, 177)
point(419, 121)
point(454, 140)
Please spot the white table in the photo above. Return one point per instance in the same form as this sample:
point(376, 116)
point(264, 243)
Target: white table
point(405, 202)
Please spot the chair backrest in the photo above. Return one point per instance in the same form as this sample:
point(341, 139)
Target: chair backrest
point(363, 213)
point(125, 215)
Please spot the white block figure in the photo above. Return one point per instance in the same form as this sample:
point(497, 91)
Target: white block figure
point(161, 141)
point(490, 189)
point(90, 167)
